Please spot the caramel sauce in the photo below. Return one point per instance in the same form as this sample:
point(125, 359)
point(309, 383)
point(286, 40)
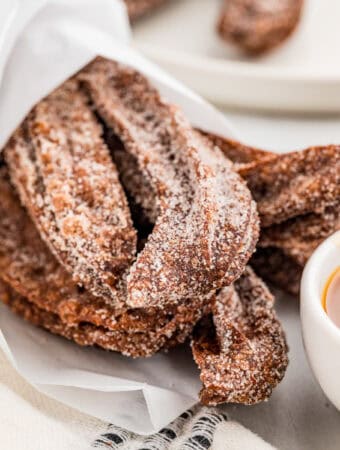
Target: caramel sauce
point(331, 297)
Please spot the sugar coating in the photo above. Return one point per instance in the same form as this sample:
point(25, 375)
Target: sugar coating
point(242, 156)
point(67, 180)
point(206, 222)
point(27, 265)
point(298, 199)
point(205, 228)
point(245, 357)
point(257, 26)
point(298, 237)
point(295, 183)
point(135, 344)
point(277, 268)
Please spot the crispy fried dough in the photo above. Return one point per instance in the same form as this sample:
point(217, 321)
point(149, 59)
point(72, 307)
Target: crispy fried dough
point(241, 352)
point(257, 26)
point(295, 183)
point(284, 249)
point(312, 203)
point(297, 238)
point(275, 267)
point(205, 221)
point(286, 185)
point(298, 200)
point(206, 224)
point(138, 344)
point(28, 266)
point(65, 176)
point(139, 191)
point(242, 156)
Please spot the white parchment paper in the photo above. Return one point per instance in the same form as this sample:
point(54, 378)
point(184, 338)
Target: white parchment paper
point(42, 43)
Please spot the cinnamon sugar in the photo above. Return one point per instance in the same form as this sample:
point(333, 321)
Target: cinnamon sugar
point(257, 26)
point(205, 213)
point(246, 356)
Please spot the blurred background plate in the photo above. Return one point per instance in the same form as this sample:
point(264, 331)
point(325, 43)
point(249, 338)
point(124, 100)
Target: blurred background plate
point(302, 75)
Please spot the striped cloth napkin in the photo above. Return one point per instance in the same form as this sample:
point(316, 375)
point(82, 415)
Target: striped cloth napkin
point(29, 420)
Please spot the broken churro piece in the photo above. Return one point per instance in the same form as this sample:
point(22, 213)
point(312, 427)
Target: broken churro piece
point(256, 26)
point(241, 351)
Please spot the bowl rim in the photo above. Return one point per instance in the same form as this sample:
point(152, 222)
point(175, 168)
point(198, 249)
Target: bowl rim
point(309, 295)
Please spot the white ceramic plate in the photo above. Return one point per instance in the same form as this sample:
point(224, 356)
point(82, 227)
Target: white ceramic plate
point(302, 75)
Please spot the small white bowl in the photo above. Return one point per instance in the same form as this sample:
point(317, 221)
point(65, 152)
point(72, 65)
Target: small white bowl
point(321, 336)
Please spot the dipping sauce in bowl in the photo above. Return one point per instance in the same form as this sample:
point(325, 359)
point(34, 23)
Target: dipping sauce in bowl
point(331, 297)
point(320, 314)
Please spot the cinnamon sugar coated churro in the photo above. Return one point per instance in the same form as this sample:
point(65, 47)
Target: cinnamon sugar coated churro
point(241, 351)
point(257, 26)
point(206, 224)
point(67, 180)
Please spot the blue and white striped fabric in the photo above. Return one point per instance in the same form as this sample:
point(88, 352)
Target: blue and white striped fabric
point(29, 420)
point(192, 430)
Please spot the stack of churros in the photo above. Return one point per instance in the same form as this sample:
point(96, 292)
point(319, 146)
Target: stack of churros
point(123, 227)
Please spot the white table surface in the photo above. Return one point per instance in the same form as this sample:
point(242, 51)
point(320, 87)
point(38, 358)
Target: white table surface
point(298, 415)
